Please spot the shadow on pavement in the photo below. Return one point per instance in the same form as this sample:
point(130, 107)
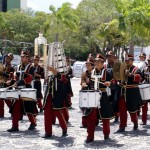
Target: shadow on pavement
point(27, 134)
point(103, 144)
point(63, 141)
point(134, 133)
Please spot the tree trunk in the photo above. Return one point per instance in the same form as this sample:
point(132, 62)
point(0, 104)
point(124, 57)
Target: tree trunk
point(131, 47)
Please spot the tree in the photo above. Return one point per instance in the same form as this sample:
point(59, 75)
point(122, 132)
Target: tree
point(134, 18)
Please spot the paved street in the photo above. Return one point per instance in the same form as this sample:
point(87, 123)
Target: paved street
point(31, 140)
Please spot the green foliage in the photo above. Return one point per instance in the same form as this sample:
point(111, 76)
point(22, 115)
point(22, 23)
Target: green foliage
point(95, 26)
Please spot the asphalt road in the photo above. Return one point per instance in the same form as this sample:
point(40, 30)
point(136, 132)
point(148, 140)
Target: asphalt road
point(31, 140)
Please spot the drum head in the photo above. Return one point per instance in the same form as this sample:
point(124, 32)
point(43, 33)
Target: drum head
point(27, 89)
point(27, 99)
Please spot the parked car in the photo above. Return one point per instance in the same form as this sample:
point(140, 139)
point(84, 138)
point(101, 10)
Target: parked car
point(78, 68)
point(16, 60)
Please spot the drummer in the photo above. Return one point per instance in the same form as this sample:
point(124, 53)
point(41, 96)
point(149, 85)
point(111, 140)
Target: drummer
point(24, 76)
point(130, 98)
point(146, 70)
point(105, 110)
point(7, 74)
point(54, 101)
point(88, 118)
point(110, 63)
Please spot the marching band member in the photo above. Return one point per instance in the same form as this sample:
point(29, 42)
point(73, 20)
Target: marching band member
point(68, 102)
point(86, 83)
point(24, 76)
point(111, 61)
point(146, 69)
point(7, 74)
point(105, 110)
point(38, 74)
point(69, 75)
point(130, 98)
point(89, 118)
point(142, 65)
point(54, 102)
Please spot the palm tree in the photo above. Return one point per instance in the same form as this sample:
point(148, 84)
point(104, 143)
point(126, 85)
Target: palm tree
point(64, 16)
point(134, 18)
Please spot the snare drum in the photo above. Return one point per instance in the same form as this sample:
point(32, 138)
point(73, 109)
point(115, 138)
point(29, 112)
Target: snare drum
point(12, 94)
point(145, 91)
point(89, 98)
point(3, 93)
point(28, 94)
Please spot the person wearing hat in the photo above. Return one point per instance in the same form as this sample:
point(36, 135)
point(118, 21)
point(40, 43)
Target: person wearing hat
point(109, 66)
point(146, 80)
point(130, 99)
point(89, 121)
point(54, 102)
point(38, 75)
point(68, 102)
point(105, 111)
point(23, 79)
point(7, 74)
point(142, 65)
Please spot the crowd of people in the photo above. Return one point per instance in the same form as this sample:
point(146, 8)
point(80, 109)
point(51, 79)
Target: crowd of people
point(125, 93)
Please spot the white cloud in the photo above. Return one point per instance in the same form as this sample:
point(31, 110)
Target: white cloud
point(43, 5)
point(32, 5)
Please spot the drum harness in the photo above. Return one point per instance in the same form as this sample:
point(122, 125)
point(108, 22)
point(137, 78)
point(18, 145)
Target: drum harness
point(21, 73)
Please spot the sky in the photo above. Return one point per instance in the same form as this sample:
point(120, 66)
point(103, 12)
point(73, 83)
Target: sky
point(43, 5)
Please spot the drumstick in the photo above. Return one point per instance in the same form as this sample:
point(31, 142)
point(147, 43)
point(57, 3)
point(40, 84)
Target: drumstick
point(98, 81)
point(11, 86)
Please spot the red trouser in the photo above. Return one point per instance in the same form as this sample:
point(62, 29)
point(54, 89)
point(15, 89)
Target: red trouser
point(123, 113)
point(66, 114)
point(59, 114)
point(17, 114)
point(84, 121)
point(48, 111)
point(144, 112)
point(106, 127)
point(8, 103)
point(91, 124)
point(39, 103)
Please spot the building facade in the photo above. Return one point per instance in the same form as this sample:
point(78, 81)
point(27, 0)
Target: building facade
point(6, 5)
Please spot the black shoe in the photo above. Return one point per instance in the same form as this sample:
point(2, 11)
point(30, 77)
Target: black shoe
point(41, 110)
point(106, 138)
point(21, 118)
point(89, 140)
point(121, 130)
point(53, 123)
point(83, 126)
point(13, 129)
point(32, 127)
point(143, 123)
point(47, 136)
point(116, 119)
point(64, 133)
point(135, 127)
